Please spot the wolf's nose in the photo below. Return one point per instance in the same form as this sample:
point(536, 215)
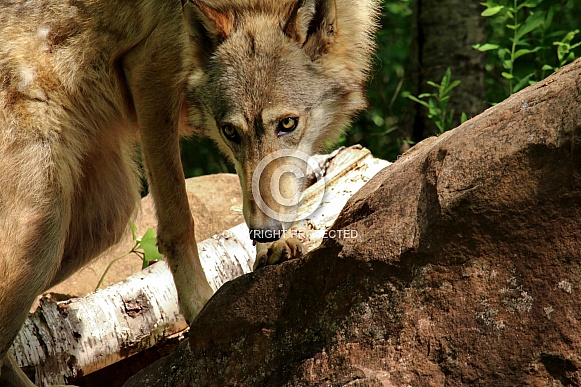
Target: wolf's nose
point(266, 235)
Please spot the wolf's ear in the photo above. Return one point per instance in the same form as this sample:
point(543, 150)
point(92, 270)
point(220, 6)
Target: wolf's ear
point(313, 24)
point(218, 25)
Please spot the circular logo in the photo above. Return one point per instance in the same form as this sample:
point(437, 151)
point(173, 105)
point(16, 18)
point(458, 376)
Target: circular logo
point(291, 207)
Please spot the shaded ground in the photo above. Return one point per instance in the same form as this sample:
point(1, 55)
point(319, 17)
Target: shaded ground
point(216, 204)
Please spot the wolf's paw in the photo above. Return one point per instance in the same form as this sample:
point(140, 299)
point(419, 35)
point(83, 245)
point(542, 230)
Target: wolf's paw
point(277, 252)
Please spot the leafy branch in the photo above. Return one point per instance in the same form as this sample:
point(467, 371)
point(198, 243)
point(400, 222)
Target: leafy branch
point(523, 36)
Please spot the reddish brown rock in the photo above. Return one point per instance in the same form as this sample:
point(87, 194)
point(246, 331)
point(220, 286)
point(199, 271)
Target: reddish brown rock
point(466, 270)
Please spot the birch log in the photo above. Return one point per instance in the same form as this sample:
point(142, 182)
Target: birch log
point(63, 341)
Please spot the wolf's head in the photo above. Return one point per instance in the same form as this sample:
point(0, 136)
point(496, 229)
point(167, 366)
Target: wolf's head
point(272, 76)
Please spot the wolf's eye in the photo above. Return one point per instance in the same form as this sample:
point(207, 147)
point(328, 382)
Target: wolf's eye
point(287, 125)
point(230, 133)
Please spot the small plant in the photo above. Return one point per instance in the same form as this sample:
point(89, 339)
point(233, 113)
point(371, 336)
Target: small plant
point(518, 45)
point(437, 102)
point(565, 53)
point(145, 248)
point(522, 32)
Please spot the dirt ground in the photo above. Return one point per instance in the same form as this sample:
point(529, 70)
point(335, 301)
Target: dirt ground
point(216, 204)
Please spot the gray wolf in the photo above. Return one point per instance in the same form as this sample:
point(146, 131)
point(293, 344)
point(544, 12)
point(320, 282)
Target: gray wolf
point(83, 83)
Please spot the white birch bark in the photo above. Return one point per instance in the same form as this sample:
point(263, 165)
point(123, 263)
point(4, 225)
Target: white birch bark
point(65, 340)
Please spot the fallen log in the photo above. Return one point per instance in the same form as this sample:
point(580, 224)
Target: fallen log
point(63, 341)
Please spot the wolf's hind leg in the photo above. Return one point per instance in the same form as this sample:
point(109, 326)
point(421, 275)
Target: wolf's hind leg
point(34, 215)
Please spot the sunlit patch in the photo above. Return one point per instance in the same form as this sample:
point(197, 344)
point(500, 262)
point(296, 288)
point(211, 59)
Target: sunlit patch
point(42, 33)
point(27, 76)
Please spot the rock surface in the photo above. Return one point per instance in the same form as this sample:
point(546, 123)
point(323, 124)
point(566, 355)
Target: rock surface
point(466, 270)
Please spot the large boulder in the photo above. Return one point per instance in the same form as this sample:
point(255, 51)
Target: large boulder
point(465, 269)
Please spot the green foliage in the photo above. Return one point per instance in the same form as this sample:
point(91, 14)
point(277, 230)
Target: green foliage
point(565, 51)
point(516, 44)
point(523, 34)
point(437, 102)
point(144, 247)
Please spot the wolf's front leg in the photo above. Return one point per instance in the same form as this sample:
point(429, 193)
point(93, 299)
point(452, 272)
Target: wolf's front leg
point(277, 252)
point(156, 78)
point(176, 238)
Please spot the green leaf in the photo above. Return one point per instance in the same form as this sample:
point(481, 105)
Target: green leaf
point(549, 18)
point(523, 82)
point(507, 75)
point(531, 23)
point(530, 4)
point(444, 98)
point(547, 68)
point(507, 64)
point(524, 42)
point(485, 47)
point(149, 236)
point(149, 246)
point(463, 118)
point(488, 4)
point(491, 11)
point(454, 84)
point(446, 77)
point(525, 51)
point(415, 99)
point(433, 114)
point(521, 52)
